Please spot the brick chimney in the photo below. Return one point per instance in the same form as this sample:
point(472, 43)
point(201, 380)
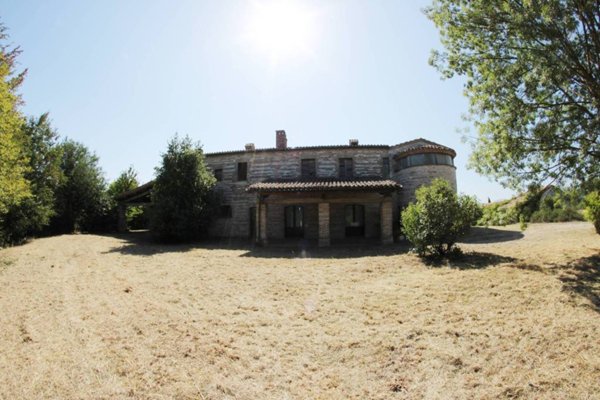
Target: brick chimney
point(353, 142)
point(280, 140)
point(250, 147)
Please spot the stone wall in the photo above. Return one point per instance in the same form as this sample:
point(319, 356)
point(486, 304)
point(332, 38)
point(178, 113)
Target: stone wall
point(262, 165)
point(414, 177)
point(286, 164)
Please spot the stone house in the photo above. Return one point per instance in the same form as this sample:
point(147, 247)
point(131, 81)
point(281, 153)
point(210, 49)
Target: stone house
point(320, 193)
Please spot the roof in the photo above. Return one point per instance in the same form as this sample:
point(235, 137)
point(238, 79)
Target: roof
point(323, 147)
point(136, 193)
point(428, 145)
point(325, 185)
point(423, 145)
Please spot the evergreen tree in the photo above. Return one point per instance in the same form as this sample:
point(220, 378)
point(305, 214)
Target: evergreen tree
point(182, 196)
point(81, 199)
point(14, 187)
point(33, 213)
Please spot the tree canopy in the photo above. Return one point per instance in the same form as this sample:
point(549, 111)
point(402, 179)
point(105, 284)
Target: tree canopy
point(124, 182)
point(13, 159)
point(32, 214)
point(134, 215)
point(42, 182)
point(532, 72)
point(81, 197)
point(182, 198)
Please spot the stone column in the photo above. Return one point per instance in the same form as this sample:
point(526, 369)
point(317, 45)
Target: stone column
point(324, 231)
point(122, 218)
point(387, 214)
point(262, 223)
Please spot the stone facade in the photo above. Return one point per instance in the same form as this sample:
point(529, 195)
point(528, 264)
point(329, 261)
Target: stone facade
point(325, 216)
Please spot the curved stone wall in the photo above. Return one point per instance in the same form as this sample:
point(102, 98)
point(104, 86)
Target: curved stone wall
point(413, 177)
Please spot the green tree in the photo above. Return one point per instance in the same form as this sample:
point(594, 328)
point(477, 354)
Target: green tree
point(592, 209)
point(81, 199)
point(438, 218)
point(13, 160)
point(182, 196)
point(33, 213)
point(126, 181)
point(532, 72)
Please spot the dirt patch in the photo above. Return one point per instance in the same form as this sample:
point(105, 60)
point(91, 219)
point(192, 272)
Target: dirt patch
point(117, 317)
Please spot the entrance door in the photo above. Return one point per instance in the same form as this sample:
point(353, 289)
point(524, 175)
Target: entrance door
point(294, 221)
point(355, 220)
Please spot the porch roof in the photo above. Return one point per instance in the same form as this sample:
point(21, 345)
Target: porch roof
point(140, 193)
point(325, 185)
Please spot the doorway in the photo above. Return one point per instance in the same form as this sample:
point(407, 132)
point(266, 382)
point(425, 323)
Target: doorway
point(355, 220)
point(294, 222)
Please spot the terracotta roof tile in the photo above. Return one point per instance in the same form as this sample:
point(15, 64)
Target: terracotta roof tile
point(319, 185)
point(412, 145)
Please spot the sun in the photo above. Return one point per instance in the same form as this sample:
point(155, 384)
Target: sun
point(281, 30)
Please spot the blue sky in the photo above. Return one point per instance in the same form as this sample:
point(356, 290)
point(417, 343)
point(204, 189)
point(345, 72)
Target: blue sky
point(124, 77)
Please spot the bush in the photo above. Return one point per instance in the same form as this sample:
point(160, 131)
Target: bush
point(559, 207)
point(182, 197)
point(498, 215)
point(439, 218)
point(592, 209)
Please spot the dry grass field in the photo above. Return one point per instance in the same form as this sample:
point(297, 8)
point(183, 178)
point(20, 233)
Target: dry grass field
point(101, 317)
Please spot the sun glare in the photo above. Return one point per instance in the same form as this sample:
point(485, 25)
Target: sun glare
point(281, 30)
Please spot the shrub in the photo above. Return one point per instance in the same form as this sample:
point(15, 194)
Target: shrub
point(528, 204)
point(498, 215)
point(592, 209)
point(182, 197)
point(439, 218)
point(560, 207)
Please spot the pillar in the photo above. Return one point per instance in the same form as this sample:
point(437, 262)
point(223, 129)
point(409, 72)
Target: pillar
point(324, 231)
point(122, 218)
point(262, 223)
point(387, 215)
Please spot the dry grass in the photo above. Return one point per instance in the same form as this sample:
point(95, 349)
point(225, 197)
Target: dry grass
point(104, 317)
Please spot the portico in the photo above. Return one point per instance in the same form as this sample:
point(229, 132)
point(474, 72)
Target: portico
point(325, 210)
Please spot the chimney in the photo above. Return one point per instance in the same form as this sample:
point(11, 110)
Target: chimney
point(250, 147)
point(280, 140)
point(353, 142)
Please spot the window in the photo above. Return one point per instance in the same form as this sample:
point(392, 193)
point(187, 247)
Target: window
point(443, 159)
point(429, 159)
point(385, 170)
point(346, 168)
point(242, 171)
point(225, 212)
point(424, 159)
point(309, 168)
point(218, 174)
point(355, 220)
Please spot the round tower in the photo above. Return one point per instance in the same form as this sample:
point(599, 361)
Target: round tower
point(417, 163)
